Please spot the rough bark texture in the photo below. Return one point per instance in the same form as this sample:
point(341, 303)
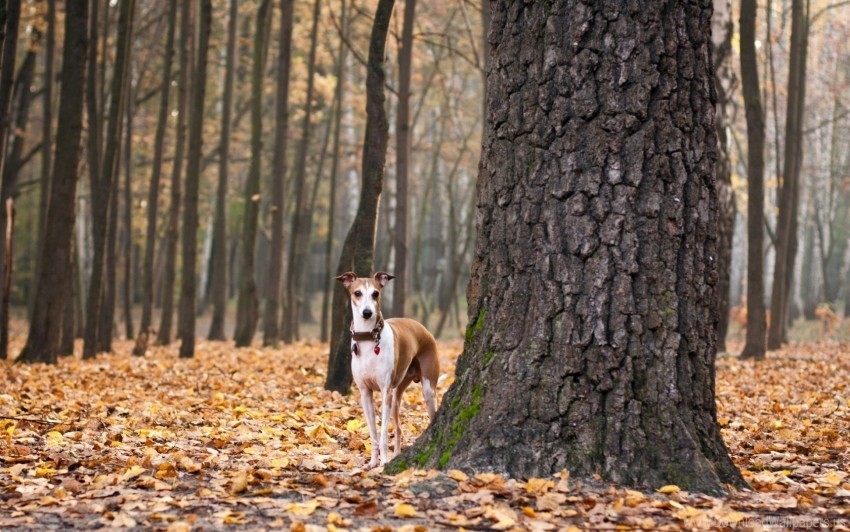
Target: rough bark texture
point(219, 247)
point(756, 318)
point(103, 188)
point(271, 326)
point(153, 190)
point(402, 151)
point(45, 325)
point(188, 283)
point(172, 231)
point(592, 304)
point(7, 70)
point(786, 225)
point(359, 246)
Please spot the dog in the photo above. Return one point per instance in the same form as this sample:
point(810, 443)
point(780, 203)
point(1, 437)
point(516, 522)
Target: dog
point(386, 356)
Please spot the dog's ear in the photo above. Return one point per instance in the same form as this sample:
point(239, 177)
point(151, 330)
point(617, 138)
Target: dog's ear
point(383, 278)
point(347, 278)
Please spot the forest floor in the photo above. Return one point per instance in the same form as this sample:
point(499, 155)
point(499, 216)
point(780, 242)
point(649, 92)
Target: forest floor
point(248, 437)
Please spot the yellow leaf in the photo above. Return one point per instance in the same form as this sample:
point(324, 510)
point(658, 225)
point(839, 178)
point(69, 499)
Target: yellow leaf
point(538, 485)
point(458, 475)
point(239, 483)
point(528, 511)
point(669, 489)
point(302, 508)
point(54, 439)
point(405, 510)
point(45, 472)
point(133, 472)
point(354, 425)
point(689, 512)
point(833, 478)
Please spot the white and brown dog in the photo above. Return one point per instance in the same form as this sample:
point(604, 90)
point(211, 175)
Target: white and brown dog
point(386, 356)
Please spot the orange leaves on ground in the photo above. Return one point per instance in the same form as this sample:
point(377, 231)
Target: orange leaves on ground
point(247, 438)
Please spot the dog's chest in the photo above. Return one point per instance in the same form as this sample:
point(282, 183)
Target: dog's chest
point(374, 371)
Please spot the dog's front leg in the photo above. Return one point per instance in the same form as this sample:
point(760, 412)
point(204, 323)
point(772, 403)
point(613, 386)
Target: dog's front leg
point(386, 404)
point(369, 413)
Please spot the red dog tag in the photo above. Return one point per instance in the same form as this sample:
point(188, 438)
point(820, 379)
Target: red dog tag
point(377, 350)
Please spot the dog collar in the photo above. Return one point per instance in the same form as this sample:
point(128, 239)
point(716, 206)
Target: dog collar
point(366, 336)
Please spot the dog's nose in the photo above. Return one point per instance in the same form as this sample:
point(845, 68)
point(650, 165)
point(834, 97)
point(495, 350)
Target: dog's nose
point(367, 313)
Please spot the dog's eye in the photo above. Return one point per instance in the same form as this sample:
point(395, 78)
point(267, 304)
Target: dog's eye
point(358, 293)
point(375, 294)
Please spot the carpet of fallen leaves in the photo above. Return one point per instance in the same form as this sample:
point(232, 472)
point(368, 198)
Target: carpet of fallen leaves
point(248, 437)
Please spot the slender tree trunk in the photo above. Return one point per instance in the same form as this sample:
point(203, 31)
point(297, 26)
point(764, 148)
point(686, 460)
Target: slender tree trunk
point(153, 191)
point(128, 221)
point(592, 310)
point(271, 329)
point(7, 70)
point(103, 189)
point(69, 321)
point(405, 60)
point(9, 215)
point(47, 121)
point(359, 247)
point(219, 247)
point(339, 95)
point(49, 307)
point(247, 312)
point(786, 223)
point(172, 233)
point(756, 319)
point(721, 46)
point(188, 288)
point(297, 239)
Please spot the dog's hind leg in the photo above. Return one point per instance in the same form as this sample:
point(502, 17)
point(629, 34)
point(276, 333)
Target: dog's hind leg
point(369, 413)
point(428, 390)
point(397, 393)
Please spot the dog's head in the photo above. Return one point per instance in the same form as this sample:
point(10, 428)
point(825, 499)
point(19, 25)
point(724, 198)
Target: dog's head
point(365, 292)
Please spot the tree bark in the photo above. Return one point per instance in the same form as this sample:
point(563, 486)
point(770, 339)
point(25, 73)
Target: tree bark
point(756, 320)
point(402, 151)
point(172, 232)
point(103, 188)
point(721, 41)
point(786, 223)
point(219, 247)
point(153, 191)
point(271, 329)
point(48, 309)
point(127, 240)
point(339, 95)
point(7, 70)
point(359, 246)
point(188, 286)
point(297, 238)
point(247, 306)
point(592, 305)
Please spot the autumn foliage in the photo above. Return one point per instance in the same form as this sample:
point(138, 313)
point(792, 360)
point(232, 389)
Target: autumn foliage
point(248, 437)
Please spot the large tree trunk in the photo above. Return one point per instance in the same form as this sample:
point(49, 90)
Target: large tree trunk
point(103, 188)
point(172, 231)
point(297, 238)
point(153, 191)
point(49, 305)
point(756, 319)
point(219, 247)
point(359, 246)
point(592, 305)
point(247, 305)
point(786, 225)
point(47, 120)
point(271, 329)
point(188, 285)
point(339, 95)
point(402, 151)
point(721, 47)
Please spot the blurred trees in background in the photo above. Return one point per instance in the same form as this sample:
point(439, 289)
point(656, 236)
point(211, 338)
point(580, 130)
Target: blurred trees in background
point(280, 148)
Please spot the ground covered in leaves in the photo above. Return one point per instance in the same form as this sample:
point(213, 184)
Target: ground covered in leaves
point(248, 437)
